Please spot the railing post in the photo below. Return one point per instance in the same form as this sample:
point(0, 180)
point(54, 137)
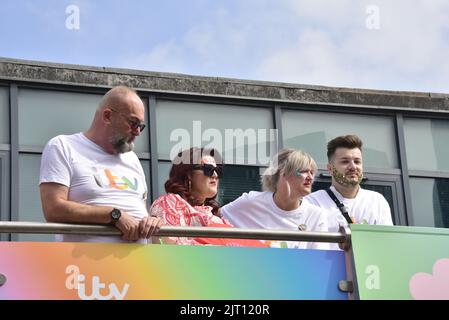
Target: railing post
point(348, 285)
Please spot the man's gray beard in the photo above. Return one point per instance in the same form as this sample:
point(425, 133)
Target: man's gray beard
point(120, 144)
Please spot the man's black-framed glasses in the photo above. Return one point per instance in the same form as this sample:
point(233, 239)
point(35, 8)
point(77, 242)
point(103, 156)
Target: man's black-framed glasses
point(209, 169)
point(134, 124)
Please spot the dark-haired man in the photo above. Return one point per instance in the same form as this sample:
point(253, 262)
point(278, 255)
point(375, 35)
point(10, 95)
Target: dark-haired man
point(345, 201)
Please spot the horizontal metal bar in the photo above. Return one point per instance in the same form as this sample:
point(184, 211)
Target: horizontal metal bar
point(428, 174)
point(62, 228)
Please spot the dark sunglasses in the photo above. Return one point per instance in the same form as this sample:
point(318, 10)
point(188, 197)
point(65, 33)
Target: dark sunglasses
point(209, 169)
point(132, 123)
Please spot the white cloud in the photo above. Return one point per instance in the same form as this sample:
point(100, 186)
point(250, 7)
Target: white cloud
point(166, 57)
point(315, 42)
point(333, 14)
point(228, 43)
point(408, 52)
point(312, 60)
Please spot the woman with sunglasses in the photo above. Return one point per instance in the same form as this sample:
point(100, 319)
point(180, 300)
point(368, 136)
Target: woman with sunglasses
point(191, 190)
point(288, 179)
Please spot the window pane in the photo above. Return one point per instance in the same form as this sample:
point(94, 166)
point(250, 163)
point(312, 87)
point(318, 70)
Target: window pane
point(44, 114)
point(430, 201)
point(30, 208)
point(146, 168)
point(426, 143)
point(239, 133)
point(4, 191)
point(237, 180)
point(4, 116)
point(311, 131)
point(164, 171)
point(142, 143)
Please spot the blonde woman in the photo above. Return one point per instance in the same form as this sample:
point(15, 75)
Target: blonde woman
point(288, 179)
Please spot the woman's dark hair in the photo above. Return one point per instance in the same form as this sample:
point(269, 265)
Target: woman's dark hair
point(178, 181)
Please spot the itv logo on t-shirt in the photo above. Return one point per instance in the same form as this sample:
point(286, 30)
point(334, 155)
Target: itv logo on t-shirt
point(106, 179)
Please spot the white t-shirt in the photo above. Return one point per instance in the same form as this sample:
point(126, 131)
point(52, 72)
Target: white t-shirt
point(258, 210)
point(95, 177)
point(368, 207)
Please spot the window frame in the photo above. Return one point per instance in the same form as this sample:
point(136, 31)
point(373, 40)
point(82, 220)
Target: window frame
point(5, 214)
point(151, 95)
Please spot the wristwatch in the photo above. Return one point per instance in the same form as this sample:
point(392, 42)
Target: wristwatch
point(115, 215)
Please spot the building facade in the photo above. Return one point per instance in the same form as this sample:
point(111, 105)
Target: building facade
point(405, 134)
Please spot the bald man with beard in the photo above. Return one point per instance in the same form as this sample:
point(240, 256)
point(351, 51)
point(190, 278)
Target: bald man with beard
point(345, 164)
point(94, 177)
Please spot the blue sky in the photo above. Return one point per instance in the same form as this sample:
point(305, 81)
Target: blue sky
point(390, 45)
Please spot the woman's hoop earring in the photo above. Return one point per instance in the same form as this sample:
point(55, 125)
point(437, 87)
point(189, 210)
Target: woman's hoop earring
point(190, 185)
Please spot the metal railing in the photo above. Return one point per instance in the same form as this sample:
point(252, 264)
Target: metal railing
point(240, 233)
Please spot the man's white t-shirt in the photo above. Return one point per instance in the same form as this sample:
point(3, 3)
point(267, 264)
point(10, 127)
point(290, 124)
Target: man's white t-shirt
point(258, 210)
point(95, 177)
point(368, 207)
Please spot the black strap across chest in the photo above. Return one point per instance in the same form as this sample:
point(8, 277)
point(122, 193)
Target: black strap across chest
point(340, 205)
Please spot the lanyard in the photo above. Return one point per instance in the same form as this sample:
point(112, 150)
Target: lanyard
point(340, 205)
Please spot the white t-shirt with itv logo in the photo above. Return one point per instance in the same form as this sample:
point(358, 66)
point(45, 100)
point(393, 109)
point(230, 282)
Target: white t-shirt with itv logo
point(95, 177)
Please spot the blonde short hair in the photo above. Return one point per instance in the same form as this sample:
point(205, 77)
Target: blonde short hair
point(286, 161)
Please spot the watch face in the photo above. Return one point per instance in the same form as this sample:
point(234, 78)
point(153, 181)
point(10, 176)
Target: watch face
point(116, 214)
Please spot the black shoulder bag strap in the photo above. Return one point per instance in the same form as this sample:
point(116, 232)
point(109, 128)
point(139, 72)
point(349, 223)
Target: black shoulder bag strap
point(340, 205)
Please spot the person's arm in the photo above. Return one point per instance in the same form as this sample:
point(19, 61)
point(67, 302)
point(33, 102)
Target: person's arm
point(57, 208)
point(170, 209)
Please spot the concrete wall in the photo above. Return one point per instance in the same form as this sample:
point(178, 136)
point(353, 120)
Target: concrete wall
point(33, 71)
